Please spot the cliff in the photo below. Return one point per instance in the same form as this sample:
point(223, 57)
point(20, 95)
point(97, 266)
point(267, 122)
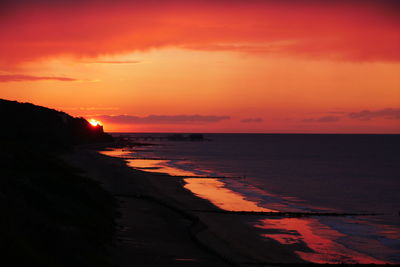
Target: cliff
point(28, 123)
point(51, 215)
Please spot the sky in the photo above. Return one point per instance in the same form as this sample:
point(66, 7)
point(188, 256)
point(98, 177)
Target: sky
point(252, 66)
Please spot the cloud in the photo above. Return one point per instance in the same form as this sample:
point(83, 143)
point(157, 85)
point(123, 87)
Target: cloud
point(387, 113)
point(252, 120)
point(160, 119)
point(323, 119)
point(335, 112)
point(113, 62)
point(30, 78)
point(90, 108)
point(341, 30)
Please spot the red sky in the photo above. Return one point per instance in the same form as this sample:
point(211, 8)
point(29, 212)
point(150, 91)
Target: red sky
point(208, 66)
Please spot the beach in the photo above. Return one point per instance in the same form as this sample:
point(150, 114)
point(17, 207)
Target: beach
point(237, 218)
point(163, 223)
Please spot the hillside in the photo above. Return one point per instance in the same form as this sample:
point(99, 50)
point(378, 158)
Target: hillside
point(51, 215)
point(28, 123)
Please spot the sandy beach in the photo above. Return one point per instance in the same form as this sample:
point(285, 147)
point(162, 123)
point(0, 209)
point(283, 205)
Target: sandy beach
point(162, 223)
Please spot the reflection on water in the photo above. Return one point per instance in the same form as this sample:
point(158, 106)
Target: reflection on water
point(224, 198)
point(316, 236)
point(211, 189)
point(312, 240)
point(391, 232)
point(146, 164)
point(152, 165)
point(117, 152)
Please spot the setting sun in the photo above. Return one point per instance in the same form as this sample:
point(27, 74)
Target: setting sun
point(94, 122)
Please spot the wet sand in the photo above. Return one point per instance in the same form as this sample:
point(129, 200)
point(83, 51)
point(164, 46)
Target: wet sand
point(164, 224)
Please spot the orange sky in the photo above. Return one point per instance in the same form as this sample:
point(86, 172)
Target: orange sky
point(208, 66)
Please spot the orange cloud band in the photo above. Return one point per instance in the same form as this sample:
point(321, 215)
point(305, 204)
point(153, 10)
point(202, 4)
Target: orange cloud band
point(339, 30)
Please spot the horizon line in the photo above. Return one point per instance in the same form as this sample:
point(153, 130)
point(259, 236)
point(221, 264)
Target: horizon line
point(283, 133)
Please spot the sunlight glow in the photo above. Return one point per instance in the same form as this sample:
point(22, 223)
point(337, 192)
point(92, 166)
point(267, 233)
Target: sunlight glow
point(94, 122)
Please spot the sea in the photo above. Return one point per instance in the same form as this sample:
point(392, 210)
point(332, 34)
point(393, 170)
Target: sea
point(347, 186)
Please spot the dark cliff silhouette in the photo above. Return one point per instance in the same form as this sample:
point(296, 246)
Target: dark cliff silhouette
point(51, 215)
point(28, 123)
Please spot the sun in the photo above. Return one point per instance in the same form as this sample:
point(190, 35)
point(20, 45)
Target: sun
point(94, 122)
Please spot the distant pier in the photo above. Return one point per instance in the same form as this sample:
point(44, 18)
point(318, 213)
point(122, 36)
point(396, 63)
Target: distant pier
point(172, 137)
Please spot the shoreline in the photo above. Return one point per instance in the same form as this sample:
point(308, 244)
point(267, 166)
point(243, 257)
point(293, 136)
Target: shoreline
point(225, 237)
point(234, 236)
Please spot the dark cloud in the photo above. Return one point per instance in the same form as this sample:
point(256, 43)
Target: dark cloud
point(388, 3)
point(161, 119)
point(252, 120)
point(323, 119)
point(33, 30)
point(27, 78)
point(387, 113)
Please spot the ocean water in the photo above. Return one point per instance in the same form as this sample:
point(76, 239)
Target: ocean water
point(297, 173)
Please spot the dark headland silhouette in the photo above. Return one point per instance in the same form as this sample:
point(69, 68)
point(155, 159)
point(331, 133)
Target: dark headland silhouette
point(50, 214)
point(28, 123)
